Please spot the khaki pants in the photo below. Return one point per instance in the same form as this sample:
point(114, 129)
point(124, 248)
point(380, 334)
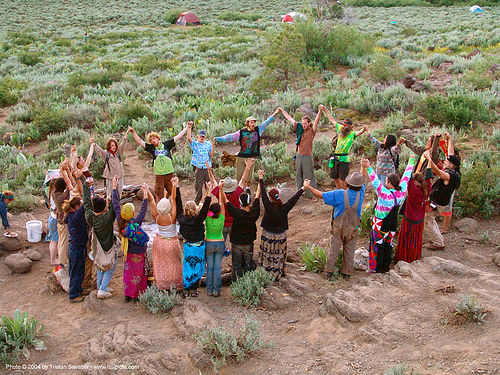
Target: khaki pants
point(240, 168)
point(201, 176)
point(431, 230)
point(89, 265)
point(109, 188)
point(348, 244)
point(304, 167)
point(163, 182)
point(62, 244)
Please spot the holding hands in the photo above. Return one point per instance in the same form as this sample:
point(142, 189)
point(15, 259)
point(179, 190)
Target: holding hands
point(249, 162)
point(260, 173)
point(307, 183)
point(175, 181)
point(365, 163)
point(145, 190)
point(115, 182)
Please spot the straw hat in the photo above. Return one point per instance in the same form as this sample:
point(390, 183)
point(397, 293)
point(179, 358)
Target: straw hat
point(355, 179)
point(229, 185)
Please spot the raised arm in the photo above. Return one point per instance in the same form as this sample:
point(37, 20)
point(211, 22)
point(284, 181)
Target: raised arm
point(331, 119)
point(202, 215)
point(407, 174)
point(138, 139)
point(316, 192)
point(373, 176)
point(144, 207)
point(178, 201)
point(222, 198)
point(173, 212)
point(115, 199)
point(258, 193)
point(65, 176)
point(451, 148)
point(321, 108)
point(262, 127)
point(181, 133)
point(73, 156)
point(294, 199)
point(78, 181)
point(211, 174)
point(152, 204)
point(373, 140)
point(359, 132)
point(288, 117)
point(248, 164)
point(188, 134)
point(90, 154)
point(265, 198)
point(121, 146)
point(231, 137)
point(438, 172)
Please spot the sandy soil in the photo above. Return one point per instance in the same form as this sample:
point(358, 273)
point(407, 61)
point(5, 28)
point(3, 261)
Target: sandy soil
point(400, 313)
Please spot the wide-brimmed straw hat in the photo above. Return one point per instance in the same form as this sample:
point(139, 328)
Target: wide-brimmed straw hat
point(229, 185)
point(355, 179)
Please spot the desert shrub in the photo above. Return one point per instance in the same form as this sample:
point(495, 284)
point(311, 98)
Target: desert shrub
point(234, 113)
point(62, 42)
point(21, 38)
point(248, 288)
point(9, 91)
point(437, 59)
point(129, 111)
point(401, 370)
point(385, 69)
point(71, 136)
point(222, 345)
point(469, 310)
point(48, 120)
point(321, 176)
point(479, 76)
point(277, 162)
point(173, 14)
point(458, 110)
point(18, 334)
point(393, 123)
point(168, 82)
point(394, 98)
point(29, 58)
point(479, 193)
point(365, 223)
point(313, 257)
point(322, 148)
point(424, 73)
point(157, 301)
point(238, 16)
point(146, 64)
point(82, 115)
point(103, 77)
point(410, 64)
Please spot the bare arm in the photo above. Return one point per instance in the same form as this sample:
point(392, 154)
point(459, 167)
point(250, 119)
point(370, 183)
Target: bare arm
point(64, 174)
point(152, 204)
point(73, 156)
point(211, 175)
point(318, 117)
point(359, 132)
point(222, 199)
point(451, 148)
point(89, 155)
point(257, 194)
point(173, 212)
point(442, 174)
point(288, 117)
point(248, 164)
point(313, 190)
point(181, 134)
point(329, 116)
point(138, 139)
point(188, 135)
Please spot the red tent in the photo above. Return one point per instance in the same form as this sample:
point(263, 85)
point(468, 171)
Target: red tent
point(287, 18)
point(187, 18)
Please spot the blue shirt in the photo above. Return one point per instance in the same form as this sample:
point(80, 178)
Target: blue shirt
point(77, 227)
point(3, 214)
point(201, 154)
point(335, 198)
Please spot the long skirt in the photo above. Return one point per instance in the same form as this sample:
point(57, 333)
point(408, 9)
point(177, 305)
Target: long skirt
point(167, 263)
point(135, 280)
point(409, 247)
point(272, 255)
point(380, 255)
point(194, 263)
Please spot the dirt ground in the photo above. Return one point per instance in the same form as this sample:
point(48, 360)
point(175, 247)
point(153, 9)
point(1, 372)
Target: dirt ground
point(393, 318)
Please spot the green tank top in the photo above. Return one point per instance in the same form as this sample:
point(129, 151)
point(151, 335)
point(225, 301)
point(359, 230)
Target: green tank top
point(214, 228)
point(163, 163)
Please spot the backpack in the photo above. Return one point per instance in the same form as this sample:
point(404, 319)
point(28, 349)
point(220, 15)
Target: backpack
point(106, 162)
point(389, 224)
point(135, 233)
point(348, 222)
point(395, 160)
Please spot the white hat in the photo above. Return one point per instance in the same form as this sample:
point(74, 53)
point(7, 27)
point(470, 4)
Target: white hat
point(230, 185)
point(163, 206)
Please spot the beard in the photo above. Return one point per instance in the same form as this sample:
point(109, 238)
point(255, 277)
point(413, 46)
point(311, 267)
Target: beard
point(345, 130)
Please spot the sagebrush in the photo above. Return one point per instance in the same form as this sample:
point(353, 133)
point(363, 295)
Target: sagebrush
point(157, 301)
point(248, 288)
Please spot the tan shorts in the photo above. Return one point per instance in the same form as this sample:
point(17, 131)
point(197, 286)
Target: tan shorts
point(63, 243)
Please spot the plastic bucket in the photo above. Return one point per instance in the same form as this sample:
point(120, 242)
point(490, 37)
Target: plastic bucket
point(34, 230)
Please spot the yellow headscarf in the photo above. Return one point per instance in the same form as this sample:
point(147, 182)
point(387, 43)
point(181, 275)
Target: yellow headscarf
point(126, 214)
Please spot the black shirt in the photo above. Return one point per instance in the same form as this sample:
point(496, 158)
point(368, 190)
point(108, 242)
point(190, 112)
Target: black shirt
point(244, 229)
point(192, 228)
point(441, 193)
point(168, 144)
point(275, 218)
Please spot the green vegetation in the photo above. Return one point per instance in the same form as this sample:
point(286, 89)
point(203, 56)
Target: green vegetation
point(469, 310)
point(222, 345)
point(17, 335)
point(248, 288)
point(158, 301)
point(313, 257)
point(401, 370)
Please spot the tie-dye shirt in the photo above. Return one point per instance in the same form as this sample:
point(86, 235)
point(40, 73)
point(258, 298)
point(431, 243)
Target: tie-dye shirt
point(385, 201)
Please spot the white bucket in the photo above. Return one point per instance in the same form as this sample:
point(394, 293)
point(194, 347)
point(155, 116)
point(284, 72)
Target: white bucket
point(34, 230)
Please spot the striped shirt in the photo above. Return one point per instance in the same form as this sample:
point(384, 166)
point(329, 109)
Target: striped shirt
point(385, 161)
point(385, 201)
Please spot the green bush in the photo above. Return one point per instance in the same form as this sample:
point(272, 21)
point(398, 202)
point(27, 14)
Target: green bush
point(146, 64)
point(18, 334)
point(479, 193)
point(470, 310)
point(237, 16)
point(401, 370)
point(22, 38)
point(457, 110)
point(385, 69)
point(394, 98)
point(29, 58)
point(248, 288)
point(173, 14)
point(365, 223)
point(129, 111)
point(480, 76)
point(222, 345)
point(9, 91)
point(157, 301)
point(277, 163)
point(234, 113)
point(48, 121)
point(313, 257)
point(104, 78)
point(168, 82)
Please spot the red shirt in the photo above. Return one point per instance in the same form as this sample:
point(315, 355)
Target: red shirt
point(235, 201)
point(415, 201)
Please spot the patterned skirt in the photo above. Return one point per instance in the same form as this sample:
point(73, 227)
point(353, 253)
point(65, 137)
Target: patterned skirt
point(272, 255)
point(167, 263)
point(194, 263)
point(409, 247)
point(380, 255)
point(135, 280)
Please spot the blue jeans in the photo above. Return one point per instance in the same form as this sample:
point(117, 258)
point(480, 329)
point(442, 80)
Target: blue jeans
point(214, 251)
point(103, 278)
point(382, 178)
point(76, 257)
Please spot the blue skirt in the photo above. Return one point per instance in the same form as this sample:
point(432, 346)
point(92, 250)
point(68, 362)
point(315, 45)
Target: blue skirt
point(193, 267)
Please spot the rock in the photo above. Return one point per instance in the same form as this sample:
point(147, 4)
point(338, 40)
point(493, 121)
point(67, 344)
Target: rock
point(361, 256)
point(467, 224)
point(18, 263)
point(445, 65)
point(494, 68)
point(92, 303)
point(402, 268)
point(201, 360)
point(407, 133)
point(341, 309)
point(52, 283)
point(11, 244)
point(307, 210)
point(140, 196)
point(418, 87)
point(26, 216)
point(306, 109)
point(195, 316)
point(441, 265)
point(496, 259)
point(473, 53)
point(286, 193)
point(32, 254)
point(408, 81)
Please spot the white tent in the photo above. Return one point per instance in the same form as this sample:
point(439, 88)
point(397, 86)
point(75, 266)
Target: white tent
point(475, 9)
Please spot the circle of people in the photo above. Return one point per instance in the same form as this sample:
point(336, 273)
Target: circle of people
point(81, 223)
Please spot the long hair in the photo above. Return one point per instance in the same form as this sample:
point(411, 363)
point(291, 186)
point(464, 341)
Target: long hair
point(190, 209)
point(419, 180)
point(274, 196)
point(107, 146)
point(59, 185)
point(122, 223)
point(394, 179)
point(70, 205)
point(390, 142)
point(215, 210)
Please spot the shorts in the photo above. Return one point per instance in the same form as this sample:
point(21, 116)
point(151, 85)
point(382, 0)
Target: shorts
point(448, 209)
point(340, 170)
point(53, 235)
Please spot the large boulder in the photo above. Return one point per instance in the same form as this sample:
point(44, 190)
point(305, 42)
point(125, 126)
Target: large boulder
point(8, 244)
point(307, 110)
point(32, 254)
point(467, 225)
point(496, 259)
point(408, 81)
point(18, 263)
point(192, 317)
